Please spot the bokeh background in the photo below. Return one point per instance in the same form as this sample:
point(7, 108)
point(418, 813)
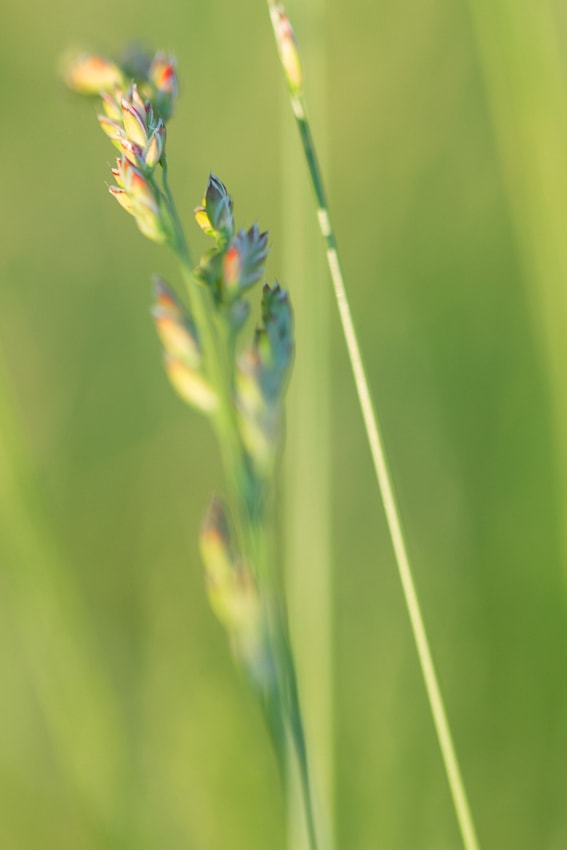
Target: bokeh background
point(123, 722)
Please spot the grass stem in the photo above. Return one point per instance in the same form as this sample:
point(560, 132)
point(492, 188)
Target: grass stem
point(434, 695)
point(307, 535)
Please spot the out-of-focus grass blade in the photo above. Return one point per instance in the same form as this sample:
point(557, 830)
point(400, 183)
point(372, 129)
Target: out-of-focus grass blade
point(308, 459)
point(526, 89)
point(53, 635)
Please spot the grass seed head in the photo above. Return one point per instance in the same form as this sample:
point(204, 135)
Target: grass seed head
point(287, 47)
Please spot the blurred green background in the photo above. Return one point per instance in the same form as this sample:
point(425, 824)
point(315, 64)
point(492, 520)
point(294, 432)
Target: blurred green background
point(123, 723)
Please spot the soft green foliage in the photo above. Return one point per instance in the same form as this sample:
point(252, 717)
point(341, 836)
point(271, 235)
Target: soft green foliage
point(102, 457)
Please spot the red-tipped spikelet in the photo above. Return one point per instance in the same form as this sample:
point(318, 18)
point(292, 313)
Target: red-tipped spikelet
point(163, 76)
point(287, 47)
point(140, 198)
point(232, 266)
point(91, 74)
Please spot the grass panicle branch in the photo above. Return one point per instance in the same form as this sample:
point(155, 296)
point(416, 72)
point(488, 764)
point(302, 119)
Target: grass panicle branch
point(239, 387)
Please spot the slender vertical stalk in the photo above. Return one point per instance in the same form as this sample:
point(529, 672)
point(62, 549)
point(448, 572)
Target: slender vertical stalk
point(253, 524)
point(434, 695)
point(307, 495)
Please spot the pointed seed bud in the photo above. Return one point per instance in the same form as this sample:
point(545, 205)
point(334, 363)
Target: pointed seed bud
point(203, 221)
point(150, 224)
point(154, 148)
point(122, 198)
point(287, 46)
point(148, 216)
point(133, 152)
point(218, 206)
point(166, 300)
point(111, 129)
point(177, 338)
point(190, 385)
point(122, 171)
point(90, 74)
point(111, 105)
point(134, 124)
point(234, 598)
point(232, 267)
point(216, 543)
point(142, 200)
point(137, 101)
point(163, 76)
point(140, 190)
point(243, 263)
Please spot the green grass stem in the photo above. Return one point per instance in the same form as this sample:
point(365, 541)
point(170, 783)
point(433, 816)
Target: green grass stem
point(434, 695)
point(307, 535)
